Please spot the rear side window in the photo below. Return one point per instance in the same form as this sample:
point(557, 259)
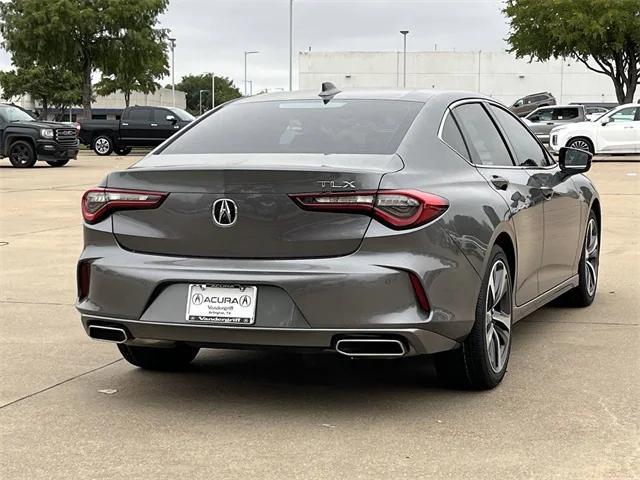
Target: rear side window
point(452, 136)
point(485, 143)
point(565, 113)
point(301, 126)
point(527, 150)
point(139, 114)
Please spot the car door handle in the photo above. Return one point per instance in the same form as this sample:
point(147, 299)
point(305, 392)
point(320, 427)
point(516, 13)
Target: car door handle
point(547, 192)
point(154, 124)
point(550, 123)
point(500, 183)
point(629, 126)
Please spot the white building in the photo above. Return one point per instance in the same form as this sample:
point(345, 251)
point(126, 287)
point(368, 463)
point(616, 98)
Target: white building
point(496, 74)
point(160, 98)
point(110, 106)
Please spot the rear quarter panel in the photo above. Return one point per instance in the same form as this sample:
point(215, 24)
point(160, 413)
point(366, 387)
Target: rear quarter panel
point(477, 214)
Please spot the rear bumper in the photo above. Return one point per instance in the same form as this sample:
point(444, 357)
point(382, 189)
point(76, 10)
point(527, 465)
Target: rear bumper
point(301, 302)
point(416, 340)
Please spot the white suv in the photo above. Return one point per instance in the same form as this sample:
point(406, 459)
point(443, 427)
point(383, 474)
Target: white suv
point(617, 131)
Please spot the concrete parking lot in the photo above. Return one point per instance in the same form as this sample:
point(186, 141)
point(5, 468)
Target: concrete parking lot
point(71, 408)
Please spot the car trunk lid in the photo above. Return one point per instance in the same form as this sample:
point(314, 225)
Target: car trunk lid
point(268, 223)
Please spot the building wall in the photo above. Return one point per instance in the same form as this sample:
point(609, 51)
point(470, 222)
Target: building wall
point(496, 74)
point(160, 98)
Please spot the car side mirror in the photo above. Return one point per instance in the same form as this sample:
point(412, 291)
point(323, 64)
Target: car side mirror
point(574, 160)
point(535, 118)
point(605, 122)
point(171, 118)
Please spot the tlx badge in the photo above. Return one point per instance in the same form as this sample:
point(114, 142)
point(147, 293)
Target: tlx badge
point(337, 183)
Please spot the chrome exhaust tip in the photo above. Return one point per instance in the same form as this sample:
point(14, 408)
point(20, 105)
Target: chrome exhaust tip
point(108, 334)
point(371, 347)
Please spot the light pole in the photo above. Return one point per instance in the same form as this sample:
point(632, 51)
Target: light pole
point(200, 100)
point(245, 69)
point(213, 90)
point(290, 45)
point(173, 70)
point(404, 68)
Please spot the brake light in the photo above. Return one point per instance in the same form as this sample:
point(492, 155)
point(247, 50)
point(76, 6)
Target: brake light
point(100, 202)
point(397, 209)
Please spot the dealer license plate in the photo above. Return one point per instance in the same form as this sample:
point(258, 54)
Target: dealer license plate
point(222, 304)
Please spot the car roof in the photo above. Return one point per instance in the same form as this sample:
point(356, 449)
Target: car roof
point(366, 94)
point(549, 107)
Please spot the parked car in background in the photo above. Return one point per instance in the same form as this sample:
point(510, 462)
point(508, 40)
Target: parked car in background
point(380, 224)
point(26, 140)
point(528, 104)
point(543, 119)
point(617, 131)
point(137, 127)
point(595, 112)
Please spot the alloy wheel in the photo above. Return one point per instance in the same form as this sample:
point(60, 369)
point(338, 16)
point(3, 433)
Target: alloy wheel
point(580, 145)
point(498, 316)
point(20, 154)
point(591, 245)
point(102, 145)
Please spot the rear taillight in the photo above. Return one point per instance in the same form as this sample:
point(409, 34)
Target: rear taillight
point(100, 202)
point(84, 278)
point(397, 209)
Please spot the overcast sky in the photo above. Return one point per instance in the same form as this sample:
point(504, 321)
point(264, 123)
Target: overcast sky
point(213, 34)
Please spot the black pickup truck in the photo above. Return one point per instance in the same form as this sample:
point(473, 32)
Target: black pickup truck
point(26, 140)
point(137, 127)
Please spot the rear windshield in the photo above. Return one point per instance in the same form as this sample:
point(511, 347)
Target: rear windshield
point(301, 126)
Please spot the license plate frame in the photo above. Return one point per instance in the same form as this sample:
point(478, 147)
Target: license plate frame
point(221, 304)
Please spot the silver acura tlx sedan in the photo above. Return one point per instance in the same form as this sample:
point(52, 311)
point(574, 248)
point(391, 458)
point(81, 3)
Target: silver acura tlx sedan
point(372, 223)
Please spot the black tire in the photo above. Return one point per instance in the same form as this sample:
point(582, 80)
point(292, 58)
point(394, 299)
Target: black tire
point(58, 163)
point(584, 294)
point(22, 154)
point(156, 358)
point(102, 145)
point(470, 366)
point(581, 143)
point(122, 150)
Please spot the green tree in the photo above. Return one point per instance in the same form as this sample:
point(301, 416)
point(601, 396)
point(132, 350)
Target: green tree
point(225, 90)
point(51, 86)
point(137, 59)
point(79, 35)
point(604, 35)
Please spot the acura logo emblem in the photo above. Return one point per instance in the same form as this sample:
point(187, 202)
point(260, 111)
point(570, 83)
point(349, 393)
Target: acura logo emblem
point(225, 212)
